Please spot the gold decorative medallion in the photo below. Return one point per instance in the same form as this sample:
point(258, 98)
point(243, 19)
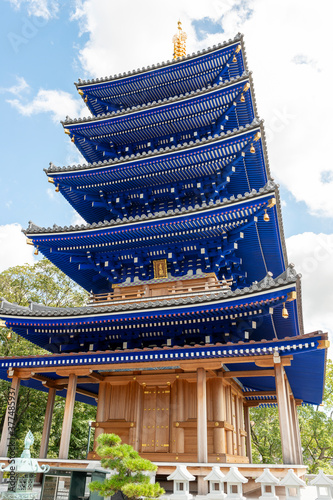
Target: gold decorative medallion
point(160, 269)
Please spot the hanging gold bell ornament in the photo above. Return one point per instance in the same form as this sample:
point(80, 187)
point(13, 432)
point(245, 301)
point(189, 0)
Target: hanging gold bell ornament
point(285, 313)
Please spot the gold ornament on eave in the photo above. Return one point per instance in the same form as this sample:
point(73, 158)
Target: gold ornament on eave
point(179, 42)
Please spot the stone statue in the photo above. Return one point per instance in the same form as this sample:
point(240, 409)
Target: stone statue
point(28, 442)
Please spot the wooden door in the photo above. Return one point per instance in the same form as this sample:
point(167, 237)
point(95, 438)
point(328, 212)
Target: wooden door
point(155, 420)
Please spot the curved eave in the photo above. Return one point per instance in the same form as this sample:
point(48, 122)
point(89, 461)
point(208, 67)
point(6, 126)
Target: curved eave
point(261, 240)
point(245, 305)
point(197, 163)
point(161, 104)
point(170, 63)
point(145, 128)
point(136, 160)
point(196, 62)
point(181, 76)
point(305, 375)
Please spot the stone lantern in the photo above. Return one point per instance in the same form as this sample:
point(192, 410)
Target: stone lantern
point(22, 473)
point(181, 478)
point(324, 486)
point(235, 481)
point(216, 482)
point(292, 483)
point(268, 483)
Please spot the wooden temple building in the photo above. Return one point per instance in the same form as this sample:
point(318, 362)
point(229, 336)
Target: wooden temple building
point(195, 315)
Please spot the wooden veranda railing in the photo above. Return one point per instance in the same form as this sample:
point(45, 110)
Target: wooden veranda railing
point(158, 291)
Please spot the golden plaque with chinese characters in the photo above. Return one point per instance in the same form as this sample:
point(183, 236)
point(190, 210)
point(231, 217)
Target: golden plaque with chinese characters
point(160, 268)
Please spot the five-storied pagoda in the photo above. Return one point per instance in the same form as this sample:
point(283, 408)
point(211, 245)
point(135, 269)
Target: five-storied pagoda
point(195, 314)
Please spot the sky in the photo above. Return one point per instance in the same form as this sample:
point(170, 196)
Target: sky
point(46, 45)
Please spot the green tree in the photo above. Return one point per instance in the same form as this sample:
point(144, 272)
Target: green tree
point(317, 439)
point(46, 284)
point(129, 470)
point(43, 283)
point(316, 427)
point(265, 435)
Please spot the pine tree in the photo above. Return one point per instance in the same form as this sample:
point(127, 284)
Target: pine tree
point(128, 470)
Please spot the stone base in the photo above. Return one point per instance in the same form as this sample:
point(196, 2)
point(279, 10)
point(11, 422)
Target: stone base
point(18, 495)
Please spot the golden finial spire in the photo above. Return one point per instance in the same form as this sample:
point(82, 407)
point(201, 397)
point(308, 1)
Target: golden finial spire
point(179, 42)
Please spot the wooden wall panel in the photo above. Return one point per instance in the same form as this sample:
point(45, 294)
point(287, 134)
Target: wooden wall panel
point(191, 400)
point(191, 440)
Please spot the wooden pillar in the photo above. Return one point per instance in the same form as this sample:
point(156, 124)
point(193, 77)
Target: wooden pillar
point(68, 416)
point(241, 427)
point(297, 434)
point(248, 433)
point(137, 403)
point(238, 426)
point(100, 413)
point(9, 418)
point(47, 423)
point(202, 416)
point(218, 415)
point(228, 397)
point(180, 439)
point(292, 430)
point(287, 452)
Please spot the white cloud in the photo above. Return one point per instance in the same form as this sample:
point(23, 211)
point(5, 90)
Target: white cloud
point(19, 88)
point(286, 49)
point(40, 8)
point(56, 102)
point(13, 248)
point(77, 220)
point(50, 193)
point(312, 255)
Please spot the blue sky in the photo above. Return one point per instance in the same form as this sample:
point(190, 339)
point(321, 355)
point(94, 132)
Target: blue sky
point(47, 45)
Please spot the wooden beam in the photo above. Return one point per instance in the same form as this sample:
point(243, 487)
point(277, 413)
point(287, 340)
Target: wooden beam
point(80, 380)
point(186, 365)
point(67, 372)
point(192, 424)
point(249, 373)
point(147, 379)
point(97, 376)
point(84, 392)
point(323, 344)
point(265, 363)
point(42, 378)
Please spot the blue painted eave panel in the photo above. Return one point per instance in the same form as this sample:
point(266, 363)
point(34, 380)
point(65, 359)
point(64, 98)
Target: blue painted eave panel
point(159, 83)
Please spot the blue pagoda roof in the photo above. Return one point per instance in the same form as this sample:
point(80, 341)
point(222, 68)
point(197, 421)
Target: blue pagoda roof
point(166, 79)
point(250, 313)
point(306, 372)
point(203, 172)
point(170, 122)
point(229, 238)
